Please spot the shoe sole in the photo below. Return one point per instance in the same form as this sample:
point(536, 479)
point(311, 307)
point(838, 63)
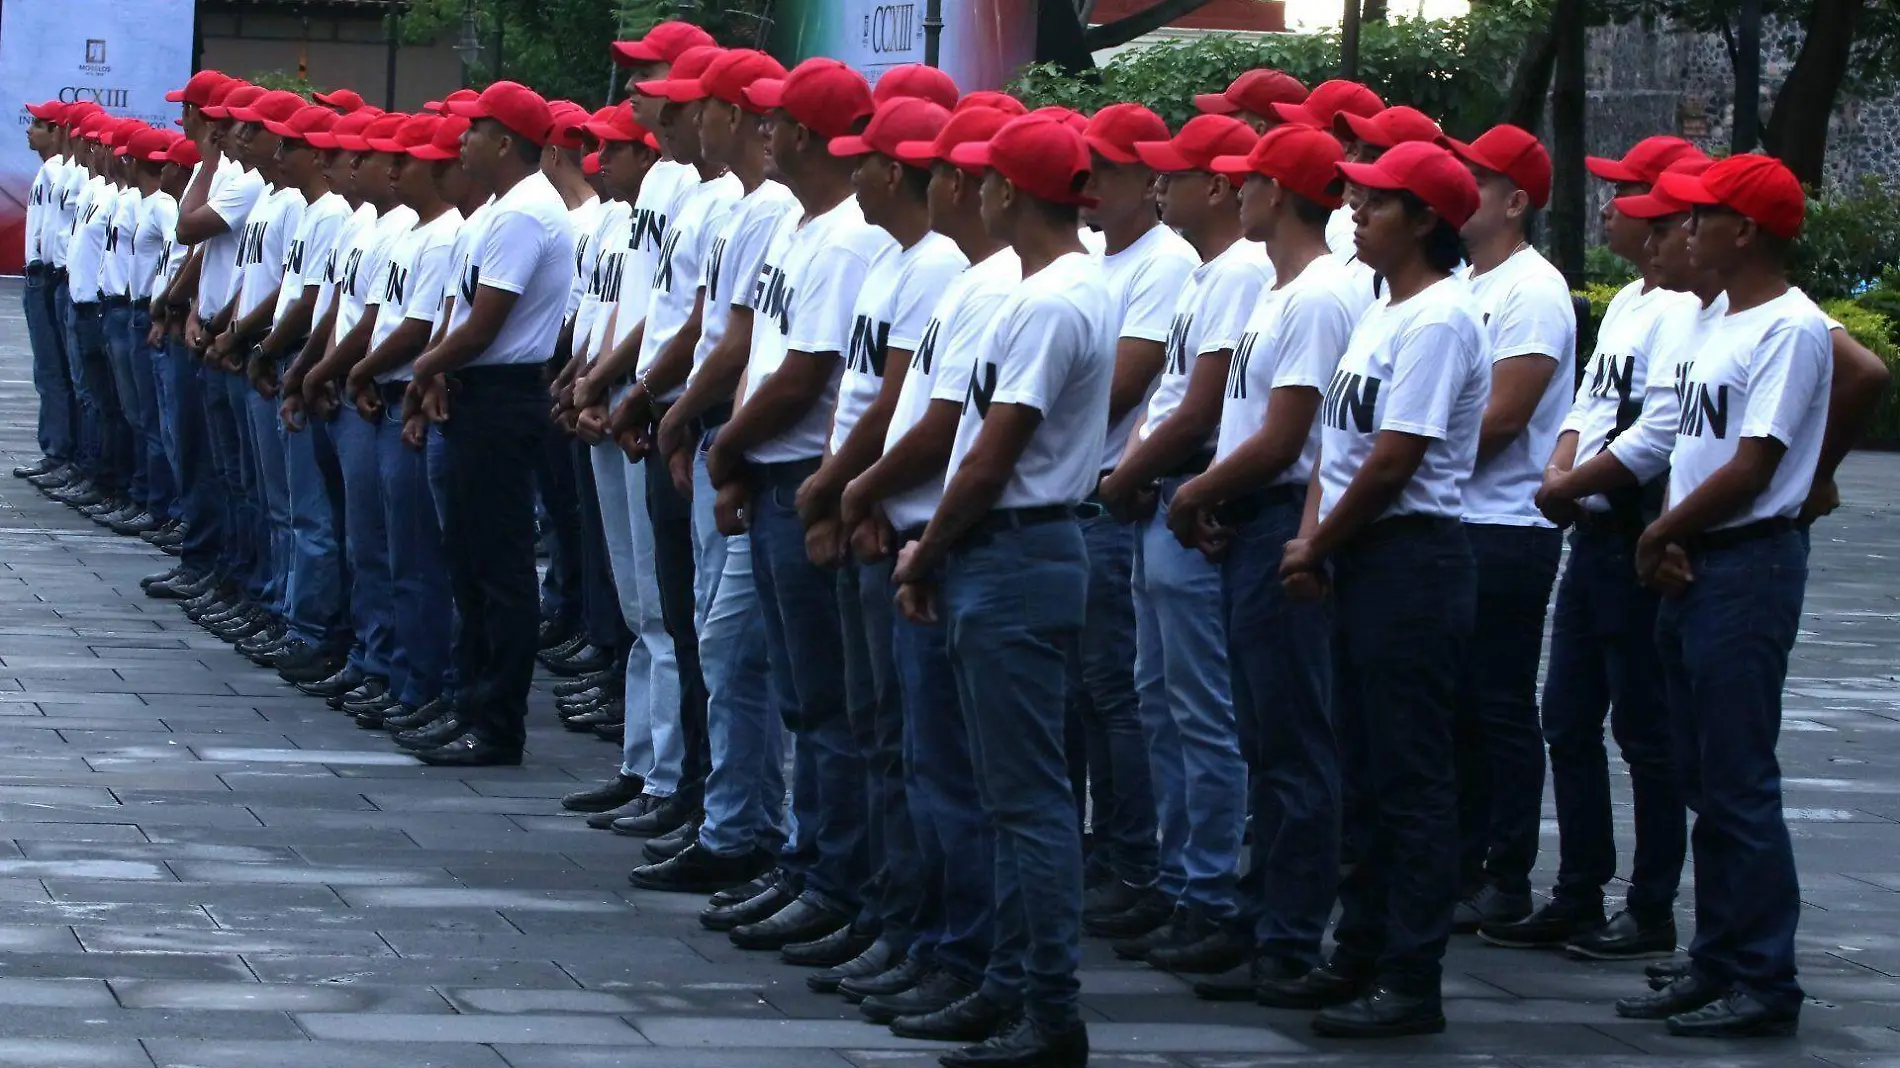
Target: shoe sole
point(1433, 1026)
point(1585, 953)
point(1523, 943)
point(1765, 1029)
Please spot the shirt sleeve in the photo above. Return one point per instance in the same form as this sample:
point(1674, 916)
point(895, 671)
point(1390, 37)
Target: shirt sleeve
point(511, 250)
point(1534, 320)
point(234, 200)
point(1037, 348)
point(1315, 329)
point(1230, 303)
point(745, 255)
point(1791, 365)
point(320, 248)
point(429, 275)
point(825, 300)
point(1425, 381)
point(1644, 448)
point(917, 301)
point(1152, 296)
point(961, 342)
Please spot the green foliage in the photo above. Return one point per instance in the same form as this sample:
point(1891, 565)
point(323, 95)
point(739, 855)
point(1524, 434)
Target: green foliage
point(1878, 332)
point(1599, 294)
point(1606, 268)
point(1850, 240)
point(282, 79)
point(1457, 70)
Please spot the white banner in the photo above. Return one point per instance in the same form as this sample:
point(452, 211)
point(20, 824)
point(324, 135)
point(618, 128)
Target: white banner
point(123, 54)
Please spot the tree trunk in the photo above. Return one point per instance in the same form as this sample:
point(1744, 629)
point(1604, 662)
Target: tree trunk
point(1059, 37)
point(1129, 27)
point(1530, 83)
point(1797, 128)
point(1373, 11)
point(1569, 204)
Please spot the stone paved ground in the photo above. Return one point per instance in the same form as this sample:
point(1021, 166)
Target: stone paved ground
point(199, 867)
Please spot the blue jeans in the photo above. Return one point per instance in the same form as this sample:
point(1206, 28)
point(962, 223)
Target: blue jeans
point(366, 547)
point(423, 612)
point(261, 583)
point(270, 464)
point(1405, 595)
point(1102, 701)
point(745, 790)
point(436, 465)
point(100, 434)
point(115, 322)
point(599, 600)
point(956, 846)
point(201, 497)
point(1499, 743)
point(1604, 663)
point(51, 379)
point(242, 551)
point(1725, 645)
point(148, 441)
point(805, 644)
point(1187, 710)
point(1282, 661)
point(1014, 603)
point(894, 892)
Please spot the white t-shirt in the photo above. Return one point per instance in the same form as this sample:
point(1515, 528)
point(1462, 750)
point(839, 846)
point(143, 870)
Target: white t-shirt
point(526, 247)
point(806, 292)
point(593, 261)
point(1761, 373)
point(681, 264)
point(904, 287)
point(1683, 324)
point(235, 190)
point(152, 244)
point(364, 267)
point(59, 228)
point(311, 249)
point(1526, 307)
point(115, 272)
point(1144, 282)
point(1420, 367)
point(586, 222)
point(86, 256)
point(459, 255)
point(1617, 376)
point(940, 367)
point(1295, 338)
point(260, 257)
point(732, 265)
point(1210, 313)
point(39, 197)
point(412, 284)
point(1049, 350)
point(645, 237)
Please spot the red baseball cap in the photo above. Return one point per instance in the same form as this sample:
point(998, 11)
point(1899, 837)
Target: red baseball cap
point(971, 125)
point(822, 95)
point(120, 131)
point(569, 128)
point(1512, 151)
point(1329, 99)
point(1428, 172)
point(412, 132)
point(77, 113)
point(276, 105)
point(1393, 126)
point(664, 43)
point(240, 96)
point(146, 143)
point(184, 152)
point(1041, 155)
point(306, 121)
point(445, 141)
point(1117, 129)
point(1301, 158)
point(197, 91)
point(1254, 92)
point(897, 120)
point(1202, 139)
point(622, 126)
point(681, 83)
point(1644, 162)
point(590, 164)
point(344, 100)
point(1657, 203)
point(1069, 117)
point(917, 80)
point(346, 127)
point(992, 98)
point(512, 104)
point(359, 138)
point(51, 111)
point(441, 107)
point(1757, 187)
point(730, 72)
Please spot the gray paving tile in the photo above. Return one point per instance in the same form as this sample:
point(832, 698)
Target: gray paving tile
point(72, 1053)
point(522, 1030)
point(272, 997)
point(390, 971)
point(604, 1057)
point(176, 1053)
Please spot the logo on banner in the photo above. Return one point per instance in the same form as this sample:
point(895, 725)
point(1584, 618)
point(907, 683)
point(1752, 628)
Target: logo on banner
point(95, 52)
point(891, 28)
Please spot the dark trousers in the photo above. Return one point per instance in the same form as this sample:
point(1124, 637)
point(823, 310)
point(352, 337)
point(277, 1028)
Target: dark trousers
point(51, 378)
point(1604, 664)
point(599, 601)
point(498, 417)
point(1405, 595)
point(200, 490)
point(672, 515)
point(1283, 678)
point(1725, 645)
point(554, 481)
point(892, 896)
point(1500, 746)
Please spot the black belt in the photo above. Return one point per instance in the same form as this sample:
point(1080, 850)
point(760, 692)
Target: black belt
point(789, 475)
point(392, 393)
point(499, 374)
point(1606, 525)
point(37, 270)
point(1003, 519)
point(115, 302)
point(1193, 465)
point(1731, 537)
point(1405, 526)
point(1092, 506)
point(1254, 505)
point(711, 419)
point(907, 535)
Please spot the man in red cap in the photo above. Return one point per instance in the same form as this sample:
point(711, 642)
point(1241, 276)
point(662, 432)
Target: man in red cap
point(343, 101)
point(916, 80)
point(663, 44)
point(103, 378)
point(1146, 266)
point(1182, 675)
point(932, 990)
point(51, 379)
point(1533, 331)
point(1402, 418)
point(150, 486)
point(1243, 510)
point(512, 299)
point(70, 177)
point(1252, 96)
point(1028, 447)
point(807, 287)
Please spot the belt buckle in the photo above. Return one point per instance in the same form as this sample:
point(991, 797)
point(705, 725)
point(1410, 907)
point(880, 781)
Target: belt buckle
point(1090, 510)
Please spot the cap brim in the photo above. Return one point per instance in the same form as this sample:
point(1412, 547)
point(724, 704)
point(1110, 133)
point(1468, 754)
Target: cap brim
point(850, 145)
point(467, 109)
point(1215, 104)
point(1610, 170)
point(1649, 206)
point(349, 143)
point(180, 123)
point(1233, 168)
point(611, 134)
point(433, 154)
point(213, 111)
point(1370, 175)
point(244, 115)
point(766, 93)
point(386, 144)
point(1298, 114)
point(652, 142)
point(917, 153)
point(176, 96)
point(971, 155)
point(1360, 127)
point(1687, 188)
point(320, 139)
point(631, 52)
point(281, 129)
point(1110, 151)
point(1163, 156)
